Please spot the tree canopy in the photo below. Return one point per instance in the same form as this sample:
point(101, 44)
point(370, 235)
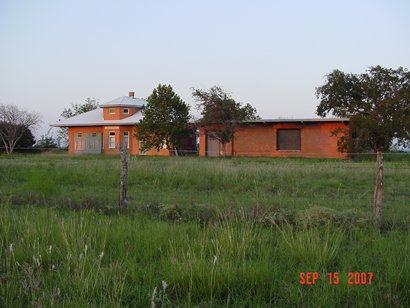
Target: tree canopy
point(46, 142)
point(16, 123)
point(221, 113)
point(377, 103)
point(75, 109)
point(165, 120)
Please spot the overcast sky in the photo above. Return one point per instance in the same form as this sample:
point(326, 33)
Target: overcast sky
point(271, 54)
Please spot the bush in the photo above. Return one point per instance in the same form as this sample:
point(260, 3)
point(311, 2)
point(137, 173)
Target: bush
point(319, 216)
point(172, 212)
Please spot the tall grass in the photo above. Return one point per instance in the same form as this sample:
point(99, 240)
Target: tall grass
point(199, 232)
point(79, 258)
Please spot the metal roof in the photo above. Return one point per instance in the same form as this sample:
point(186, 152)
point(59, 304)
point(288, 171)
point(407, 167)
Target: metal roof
point(95, 118)
point(309, 120)
point(125, 101)
point(298, 120)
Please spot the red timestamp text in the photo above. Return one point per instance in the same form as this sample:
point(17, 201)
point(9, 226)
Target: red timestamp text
point(352, 278)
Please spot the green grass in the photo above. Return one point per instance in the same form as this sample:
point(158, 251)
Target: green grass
point(81, 258)
point(92, 181)
point(199, 232)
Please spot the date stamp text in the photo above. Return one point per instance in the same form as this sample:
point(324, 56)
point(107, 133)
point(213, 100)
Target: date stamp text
point(353, 278)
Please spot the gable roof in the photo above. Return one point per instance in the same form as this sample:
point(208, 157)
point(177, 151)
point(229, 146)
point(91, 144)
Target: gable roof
point(95, 118)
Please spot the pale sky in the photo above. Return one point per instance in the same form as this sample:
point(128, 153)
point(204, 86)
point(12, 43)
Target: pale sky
point(271, 54)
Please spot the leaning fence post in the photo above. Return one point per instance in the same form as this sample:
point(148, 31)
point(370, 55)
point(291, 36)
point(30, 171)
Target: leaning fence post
point(124, 175)
point(378, 191)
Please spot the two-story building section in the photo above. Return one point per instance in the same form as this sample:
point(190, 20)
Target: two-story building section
point(104, 129)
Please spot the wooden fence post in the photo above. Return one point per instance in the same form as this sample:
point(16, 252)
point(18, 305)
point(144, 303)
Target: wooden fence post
point(378, 191)
point(124, 175)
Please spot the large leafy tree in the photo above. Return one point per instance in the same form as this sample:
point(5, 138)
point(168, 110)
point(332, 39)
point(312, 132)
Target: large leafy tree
point(75, 109)
point(377, 103)
point(165, 120)
point(221, 114)
point(27, 140)
point(15, 124)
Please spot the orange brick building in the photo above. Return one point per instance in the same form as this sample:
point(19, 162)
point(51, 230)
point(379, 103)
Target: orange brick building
point(293, 137)
point(104, 129)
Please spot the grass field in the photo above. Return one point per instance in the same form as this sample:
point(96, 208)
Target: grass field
point(200, 232)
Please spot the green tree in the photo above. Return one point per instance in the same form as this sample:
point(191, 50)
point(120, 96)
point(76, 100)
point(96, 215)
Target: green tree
point(377, 103)
point(46, 142)
point(27, 140)
point(75, 109)
point(165, 120)
point(221, 114)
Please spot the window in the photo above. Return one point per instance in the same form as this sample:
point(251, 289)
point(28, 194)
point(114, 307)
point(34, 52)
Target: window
point(79, 135)
point(80, 145)
point(94, 145)
point(111, 140)
point(288, 139)
point(126, 139)
point(94, 134)
point(126, 111)
point(111, 111)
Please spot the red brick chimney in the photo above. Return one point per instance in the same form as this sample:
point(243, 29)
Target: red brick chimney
point(131, 94)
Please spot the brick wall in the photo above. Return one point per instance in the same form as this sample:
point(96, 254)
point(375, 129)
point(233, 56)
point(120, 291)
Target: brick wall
point(119, 133)
point(260, 140)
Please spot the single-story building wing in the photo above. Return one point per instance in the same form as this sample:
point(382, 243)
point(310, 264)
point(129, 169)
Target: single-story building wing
point(278, 137)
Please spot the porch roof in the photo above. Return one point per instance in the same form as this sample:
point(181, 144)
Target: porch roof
point(95, 118)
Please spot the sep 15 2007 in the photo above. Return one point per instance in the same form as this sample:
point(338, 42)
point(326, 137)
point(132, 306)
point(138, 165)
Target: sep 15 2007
point(352, 278)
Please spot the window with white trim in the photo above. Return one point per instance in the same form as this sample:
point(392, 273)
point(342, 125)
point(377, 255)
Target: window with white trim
point(111, 111)
point(125, 111)
point(111, 140)
point(126, 139)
